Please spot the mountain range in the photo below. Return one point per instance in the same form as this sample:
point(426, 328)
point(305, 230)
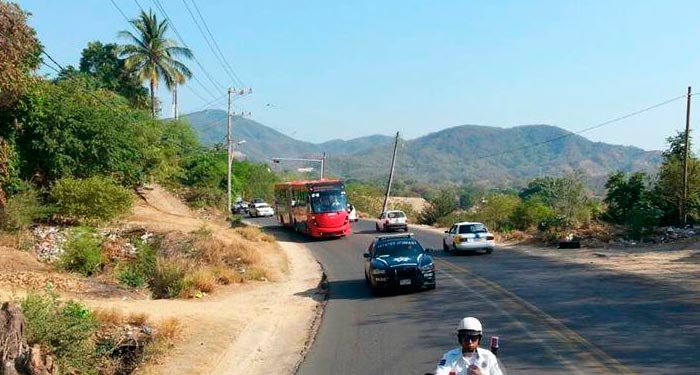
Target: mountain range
point(467, 154)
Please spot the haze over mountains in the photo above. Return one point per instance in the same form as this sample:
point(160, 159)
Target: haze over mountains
point(488, 156)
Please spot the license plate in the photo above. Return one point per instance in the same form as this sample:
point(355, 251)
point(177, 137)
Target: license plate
point(405, 282)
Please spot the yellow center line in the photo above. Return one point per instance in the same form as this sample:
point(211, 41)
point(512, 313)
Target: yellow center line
point(596, 355)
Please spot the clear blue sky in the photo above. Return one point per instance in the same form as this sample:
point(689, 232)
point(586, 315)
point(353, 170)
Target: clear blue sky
point(322, 70)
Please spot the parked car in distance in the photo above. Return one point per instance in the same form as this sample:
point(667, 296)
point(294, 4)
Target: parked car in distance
point(398, 262)
point(260, 209)
point(468, 236)
point(391, 220)
point(352, 213)
point(240, 207)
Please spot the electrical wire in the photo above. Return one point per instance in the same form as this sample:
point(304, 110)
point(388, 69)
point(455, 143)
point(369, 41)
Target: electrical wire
point(230, 71)
point(196, 79)
point(605, 123)
point(177, 33)
point(211, 47)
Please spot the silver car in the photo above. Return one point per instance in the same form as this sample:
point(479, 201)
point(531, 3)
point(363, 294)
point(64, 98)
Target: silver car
point(468, 236)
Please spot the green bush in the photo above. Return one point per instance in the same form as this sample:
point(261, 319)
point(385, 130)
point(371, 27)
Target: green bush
point(132, 277)
point(90, 201)
point(454, 217)
point(366, 198)
point(530, 213)
point(21, 211)
point(441, 205)
point(82, 252)
point(168, 278)
point(66, 328)
point(138, 272)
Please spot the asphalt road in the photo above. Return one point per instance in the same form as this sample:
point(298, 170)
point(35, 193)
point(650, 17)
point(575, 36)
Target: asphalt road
point(552, 318)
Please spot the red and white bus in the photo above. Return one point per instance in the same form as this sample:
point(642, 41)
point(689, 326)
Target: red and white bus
point(317, 208)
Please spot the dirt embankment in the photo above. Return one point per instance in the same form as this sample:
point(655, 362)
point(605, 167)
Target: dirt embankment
point(259, 327)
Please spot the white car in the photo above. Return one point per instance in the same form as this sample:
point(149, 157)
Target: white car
point(391, 220)
point(468, 236)
point(260, 209)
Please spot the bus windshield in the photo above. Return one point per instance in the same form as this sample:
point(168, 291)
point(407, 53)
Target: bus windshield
point(328, 201)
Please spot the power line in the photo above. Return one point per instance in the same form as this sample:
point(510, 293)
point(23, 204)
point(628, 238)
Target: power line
point(215, 101)
point(177, 33)
point(632, 114)
point(230, 70)
point(194, 77)
point(218, 58)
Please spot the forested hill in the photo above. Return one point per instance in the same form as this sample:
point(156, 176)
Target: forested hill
point(489, 156)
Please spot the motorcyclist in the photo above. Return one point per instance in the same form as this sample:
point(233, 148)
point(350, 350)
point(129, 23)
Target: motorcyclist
point(469, 359)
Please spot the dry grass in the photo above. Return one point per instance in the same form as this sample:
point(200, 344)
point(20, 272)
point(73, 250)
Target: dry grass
point(137, 319)
point(22, 240)
point(109, 317)
point(254, 234)
point(168, 330)
point(202, 280)
point(212, 251)
point(254, 273)
point(225, 275)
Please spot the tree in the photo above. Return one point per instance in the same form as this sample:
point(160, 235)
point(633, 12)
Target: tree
point(623, 193)
point(68, 130)
point(496, 211)
point(567, 196)
point(102, 62)
point(438, 206)
point(20, 53)
point(668, 190)
point(531, 213)
point(19, 56)
point(153, 56)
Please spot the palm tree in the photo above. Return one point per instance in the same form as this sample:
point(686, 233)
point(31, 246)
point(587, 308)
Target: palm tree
point(153, 56)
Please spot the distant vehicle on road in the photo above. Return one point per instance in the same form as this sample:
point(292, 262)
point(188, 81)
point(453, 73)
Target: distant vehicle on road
point(468, 236)
point(313, 207)
point(398, 262)
point(255, 200)
point(261, 209)
point(240, 207)
point(391, 220)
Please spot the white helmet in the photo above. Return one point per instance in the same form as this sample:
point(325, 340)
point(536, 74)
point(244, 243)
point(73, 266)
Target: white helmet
point(469, 324)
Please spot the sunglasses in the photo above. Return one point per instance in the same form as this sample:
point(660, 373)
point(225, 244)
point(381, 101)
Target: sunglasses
point(468, 337)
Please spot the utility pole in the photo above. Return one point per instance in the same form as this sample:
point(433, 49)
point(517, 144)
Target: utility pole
point(391, 174)
point(323, 159)
point(175, 102)
point(229, 152)
point(229, 141)
point(685, 163)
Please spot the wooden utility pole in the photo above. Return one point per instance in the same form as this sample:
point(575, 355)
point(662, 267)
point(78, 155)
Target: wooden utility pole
point(684, 202)
point(391, 174)
point(229, 152)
